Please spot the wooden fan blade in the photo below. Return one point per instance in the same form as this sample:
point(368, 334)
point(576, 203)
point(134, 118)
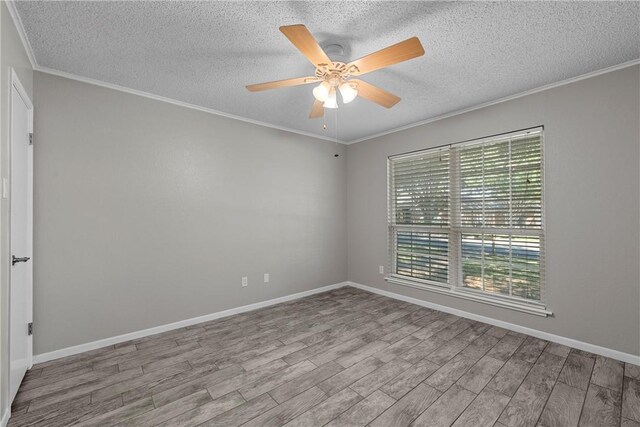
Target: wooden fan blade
point(306, 43)
point(282, 83)
point(317, 110)
point(375, 94)
point(399, 52)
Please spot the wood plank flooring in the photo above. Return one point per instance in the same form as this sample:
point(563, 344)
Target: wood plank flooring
point(340, 358)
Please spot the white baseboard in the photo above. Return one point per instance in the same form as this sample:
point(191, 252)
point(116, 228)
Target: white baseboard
point(5, 417)
point(592, 348)
point(69, 351)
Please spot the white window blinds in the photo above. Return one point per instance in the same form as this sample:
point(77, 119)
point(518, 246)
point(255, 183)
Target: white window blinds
point(500, 183)
point(420, 209)
point(469, 217)
point(421, 194)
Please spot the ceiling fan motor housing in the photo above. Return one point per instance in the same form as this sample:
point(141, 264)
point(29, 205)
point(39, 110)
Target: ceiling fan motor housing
point(335, 71)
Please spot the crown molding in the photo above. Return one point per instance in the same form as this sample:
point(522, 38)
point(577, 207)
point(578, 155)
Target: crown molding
point(500, 100)
point(119, 88)
point(21, 32)
point(34, 64)
point(355, 141)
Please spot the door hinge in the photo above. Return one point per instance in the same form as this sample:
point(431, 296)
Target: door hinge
point(30, 328)
point(31, 138)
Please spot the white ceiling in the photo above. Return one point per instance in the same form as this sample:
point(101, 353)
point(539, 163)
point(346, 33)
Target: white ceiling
point(204, 53)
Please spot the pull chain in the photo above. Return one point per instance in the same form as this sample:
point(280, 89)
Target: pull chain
point(335, 121)
point(336, 126)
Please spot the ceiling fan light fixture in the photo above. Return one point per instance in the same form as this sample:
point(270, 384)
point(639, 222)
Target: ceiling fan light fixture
point(331, 101)
point(321, 92)
point(348, 92)
point(332, 75)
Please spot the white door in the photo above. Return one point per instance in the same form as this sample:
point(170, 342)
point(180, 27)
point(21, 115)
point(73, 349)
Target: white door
point(21, 236)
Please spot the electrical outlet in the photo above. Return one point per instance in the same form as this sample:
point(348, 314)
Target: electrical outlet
point(266, 277)
point(381, 269)
point(245, 281)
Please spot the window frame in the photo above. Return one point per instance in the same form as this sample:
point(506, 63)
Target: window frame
point(454, 286)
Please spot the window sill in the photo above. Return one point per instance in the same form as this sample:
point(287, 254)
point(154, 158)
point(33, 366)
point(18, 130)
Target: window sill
point(535, 309)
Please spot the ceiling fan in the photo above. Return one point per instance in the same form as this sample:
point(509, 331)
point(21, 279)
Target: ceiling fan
point(337, 76)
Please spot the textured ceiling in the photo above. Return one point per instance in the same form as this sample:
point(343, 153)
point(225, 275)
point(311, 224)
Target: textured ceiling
point(204, 53)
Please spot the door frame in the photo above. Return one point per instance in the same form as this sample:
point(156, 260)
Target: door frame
point(15, 83)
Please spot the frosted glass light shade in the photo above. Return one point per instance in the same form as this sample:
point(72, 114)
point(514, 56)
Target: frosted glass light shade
point(321, 92)
point(331, 101)
point(348, 92)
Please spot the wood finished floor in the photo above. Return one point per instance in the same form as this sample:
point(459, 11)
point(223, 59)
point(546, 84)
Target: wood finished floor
point(340, 358)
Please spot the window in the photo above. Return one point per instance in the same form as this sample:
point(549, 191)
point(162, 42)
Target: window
point(468, 219)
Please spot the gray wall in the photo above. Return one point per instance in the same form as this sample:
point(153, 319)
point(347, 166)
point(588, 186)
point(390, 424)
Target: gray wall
point(592, 131)
point(148, 213)
point(13, 56)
